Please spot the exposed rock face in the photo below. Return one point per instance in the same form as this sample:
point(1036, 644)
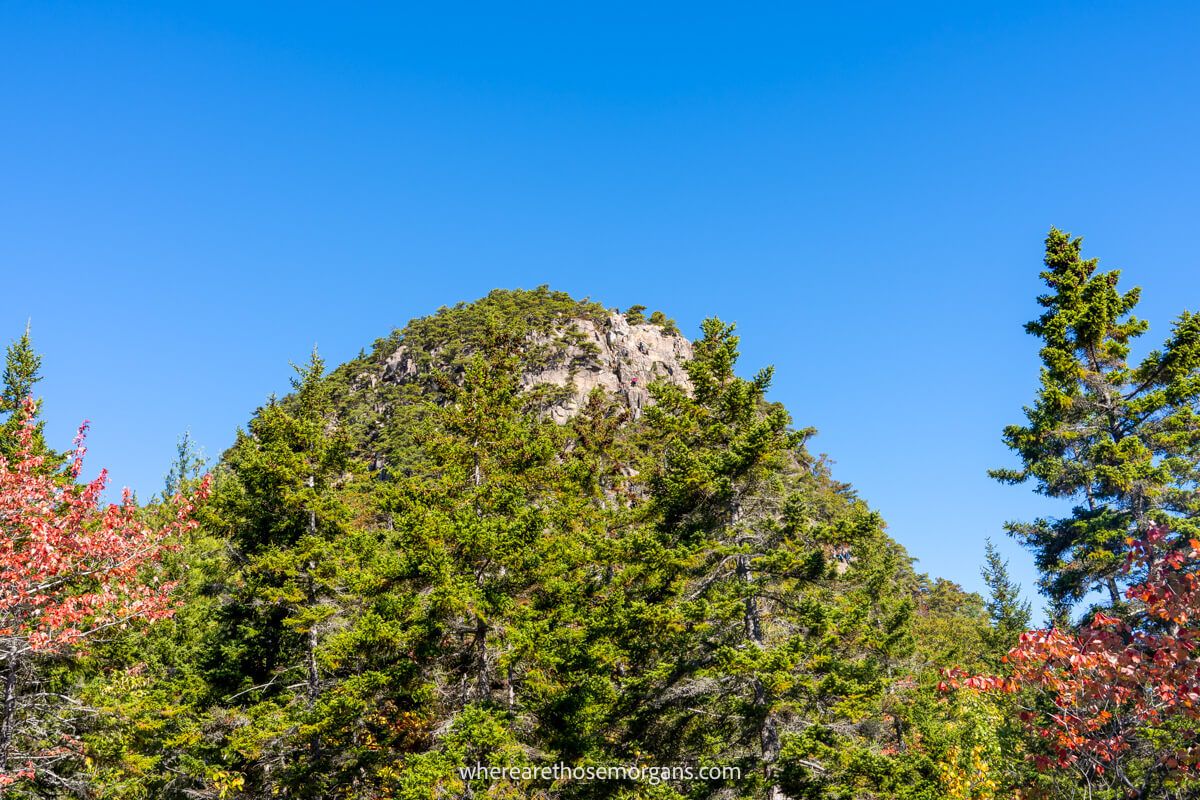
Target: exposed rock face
point(614, 355)
point(629, 358)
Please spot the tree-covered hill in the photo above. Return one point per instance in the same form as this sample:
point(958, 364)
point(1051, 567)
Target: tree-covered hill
point(523, 532)
point(517, 533)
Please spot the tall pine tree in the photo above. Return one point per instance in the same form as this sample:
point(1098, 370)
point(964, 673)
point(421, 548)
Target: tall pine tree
point(282, 503)
point(1122, 441)
point(1008, 613)
point(22, 371)
point(780, 617)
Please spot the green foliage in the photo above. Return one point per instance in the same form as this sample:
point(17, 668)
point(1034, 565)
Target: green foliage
point(1121, 440)
point(397, 579)
point(21, 367)
point(1008, 613)
point(455, 332)
point(408, 568)
point(668, 325)
point(22, 371)
point(186, 469)
point(790, 611)
point(950, 626)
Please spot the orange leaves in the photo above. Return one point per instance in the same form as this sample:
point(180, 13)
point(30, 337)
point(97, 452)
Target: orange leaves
point(1110, 681)
point(9, 778)
point(68, 565)
point(957, 679)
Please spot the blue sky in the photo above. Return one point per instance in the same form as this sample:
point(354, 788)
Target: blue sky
point(194, 194)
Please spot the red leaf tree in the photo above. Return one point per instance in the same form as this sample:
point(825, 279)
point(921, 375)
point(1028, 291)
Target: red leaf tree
point(1118, 701)
point(70, 567)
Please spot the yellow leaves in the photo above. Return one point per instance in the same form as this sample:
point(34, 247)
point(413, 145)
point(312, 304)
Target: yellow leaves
point(226, 784)
point(967, 775)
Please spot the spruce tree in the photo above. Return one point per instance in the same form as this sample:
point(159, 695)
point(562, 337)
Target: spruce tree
point(282, 503)
point(784, 613)
point(187, 467)
point(22, 367)
point(719, 489)
point(1122, 441)
point(691, 587)
point(1008, 613)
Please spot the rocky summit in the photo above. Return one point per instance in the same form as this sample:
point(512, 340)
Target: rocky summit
point(585, 353)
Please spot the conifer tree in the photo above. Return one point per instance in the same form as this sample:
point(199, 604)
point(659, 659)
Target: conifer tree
point(187, 467)
point(719, 488)
point(495, 466)
point(1120, 440)
point(754, 530)
point(22, 367)
point(288, 523)
point(691, 587)
point(1008, 613)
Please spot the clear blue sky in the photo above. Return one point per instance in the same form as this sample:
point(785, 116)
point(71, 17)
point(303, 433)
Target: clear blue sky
point(192, 196)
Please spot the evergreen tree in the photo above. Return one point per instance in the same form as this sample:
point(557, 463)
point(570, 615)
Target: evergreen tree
point(720, 492)
point(1008, 613)
point(784, 615)
point(288, 523)
point(22, 366)
point(1121, 440)
point(690, 586)
point(187, 467)
point(505, 527)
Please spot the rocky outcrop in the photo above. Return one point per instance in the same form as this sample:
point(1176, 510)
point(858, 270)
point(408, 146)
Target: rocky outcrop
point(613, 355)
point(622, 360)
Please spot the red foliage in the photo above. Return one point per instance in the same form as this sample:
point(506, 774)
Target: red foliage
point(1099, 693)
point(70, 567)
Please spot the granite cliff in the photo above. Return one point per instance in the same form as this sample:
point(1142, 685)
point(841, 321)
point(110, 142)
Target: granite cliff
point(576, 346)
point(612, 354)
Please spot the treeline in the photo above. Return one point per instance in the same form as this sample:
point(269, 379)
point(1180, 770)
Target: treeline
point(384, 583)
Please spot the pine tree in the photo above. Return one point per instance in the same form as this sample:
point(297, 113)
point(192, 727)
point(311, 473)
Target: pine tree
point(719, 491)
point(187, 467)
point(22, 366)
point(1122, 441)
point(1008, 613)
point(690, 587)
point(282, 502)
point(507, 520)
point(781, 583)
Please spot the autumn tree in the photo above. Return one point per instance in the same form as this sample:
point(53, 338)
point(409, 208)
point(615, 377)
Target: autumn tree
point(1117, 702)
point(70, 568)
point(1121, 440)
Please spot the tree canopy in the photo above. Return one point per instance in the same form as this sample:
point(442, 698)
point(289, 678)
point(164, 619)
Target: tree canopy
point(425, 574)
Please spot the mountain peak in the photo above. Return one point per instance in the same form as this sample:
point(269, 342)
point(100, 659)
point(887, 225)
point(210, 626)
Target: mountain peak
point(579, 353)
